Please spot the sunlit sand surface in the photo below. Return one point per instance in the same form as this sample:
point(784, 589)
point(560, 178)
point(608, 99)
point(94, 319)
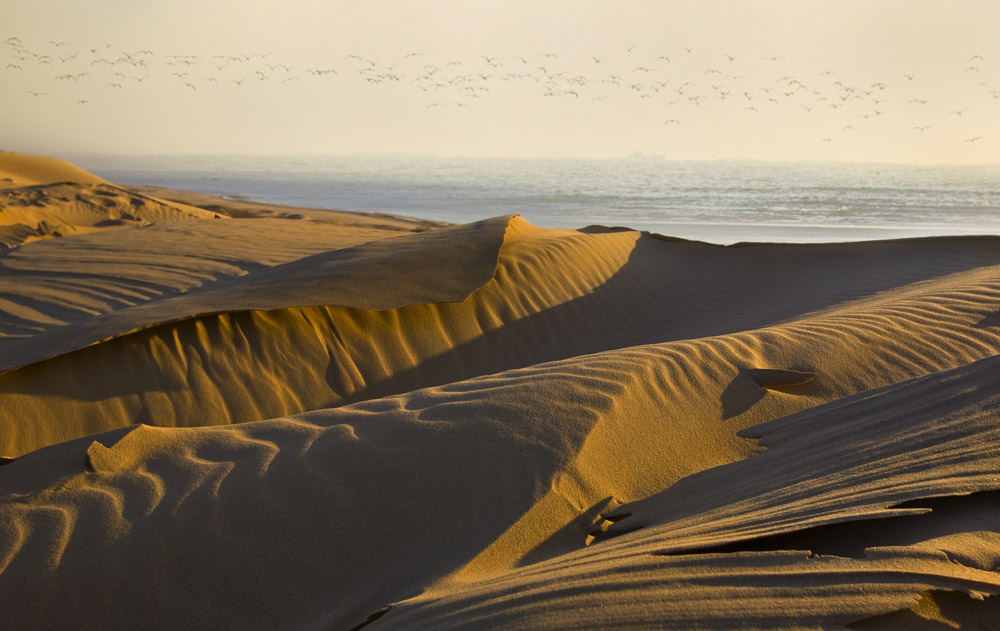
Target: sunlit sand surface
point(220, 414)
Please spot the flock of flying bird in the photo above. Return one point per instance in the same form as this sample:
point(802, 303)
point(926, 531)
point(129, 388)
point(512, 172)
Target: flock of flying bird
point(669, 83)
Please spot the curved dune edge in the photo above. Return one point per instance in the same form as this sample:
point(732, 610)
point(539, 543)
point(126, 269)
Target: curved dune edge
point(613, 430)
point(42, 211)
point(21, 169)
point(444, 265)
point(42, 197)
point(63, 282)
point(236, 367)
point(410, 492)
point(555, 294)
point(875, 450)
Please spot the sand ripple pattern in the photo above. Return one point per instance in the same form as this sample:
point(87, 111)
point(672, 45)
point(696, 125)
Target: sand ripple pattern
point(504, 427)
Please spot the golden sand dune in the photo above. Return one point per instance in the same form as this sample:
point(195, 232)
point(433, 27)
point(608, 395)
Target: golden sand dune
point(51, 283)
point(866, 463)
point(348, 510)
point(55, 210)
point(517, 296)
point(175, 281)
point(21, 169)
point(497, 426)
point(44, 197)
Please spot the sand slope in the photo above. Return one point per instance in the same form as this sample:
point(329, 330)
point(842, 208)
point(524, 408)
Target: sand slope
point(497, 426)
point(43, 197)
point(376, 275)
point(21, 169)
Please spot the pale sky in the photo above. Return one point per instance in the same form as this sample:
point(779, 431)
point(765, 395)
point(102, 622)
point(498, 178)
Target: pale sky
point(874, 80)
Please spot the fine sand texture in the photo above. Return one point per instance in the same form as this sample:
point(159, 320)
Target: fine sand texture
point(221, 414)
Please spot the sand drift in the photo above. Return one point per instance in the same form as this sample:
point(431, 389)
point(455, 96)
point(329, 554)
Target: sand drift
point(276, 419)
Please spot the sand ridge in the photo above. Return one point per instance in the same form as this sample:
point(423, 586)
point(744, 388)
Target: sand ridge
point(499, 426)
point(21, 169)
point(554, 294)
point(367, 276)
point(42, 197)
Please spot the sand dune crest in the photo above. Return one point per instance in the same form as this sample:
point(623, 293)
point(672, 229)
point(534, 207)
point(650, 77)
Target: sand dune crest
point(277, 422)
point(21, 169)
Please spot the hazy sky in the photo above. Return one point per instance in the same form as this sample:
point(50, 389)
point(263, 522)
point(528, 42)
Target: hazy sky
point(873, 80)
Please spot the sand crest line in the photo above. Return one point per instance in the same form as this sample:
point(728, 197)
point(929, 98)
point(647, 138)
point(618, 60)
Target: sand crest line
point(459, 261)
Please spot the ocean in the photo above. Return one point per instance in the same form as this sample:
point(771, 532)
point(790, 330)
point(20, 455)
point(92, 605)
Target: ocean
point(715, 201)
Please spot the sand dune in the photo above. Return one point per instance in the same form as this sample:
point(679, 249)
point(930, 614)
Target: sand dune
point(187, 284)
point(21, 169)
point(494, 426)
point(46, 197)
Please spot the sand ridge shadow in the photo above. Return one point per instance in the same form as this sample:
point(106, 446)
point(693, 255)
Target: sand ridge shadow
point(558, 542)
point(656, 288)
point(750, 385)
point(942, 610)
point(990, 319)
point(948, 515)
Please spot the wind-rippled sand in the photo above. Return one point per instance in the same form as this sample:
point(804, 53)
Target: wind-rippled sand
point(246, 417)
